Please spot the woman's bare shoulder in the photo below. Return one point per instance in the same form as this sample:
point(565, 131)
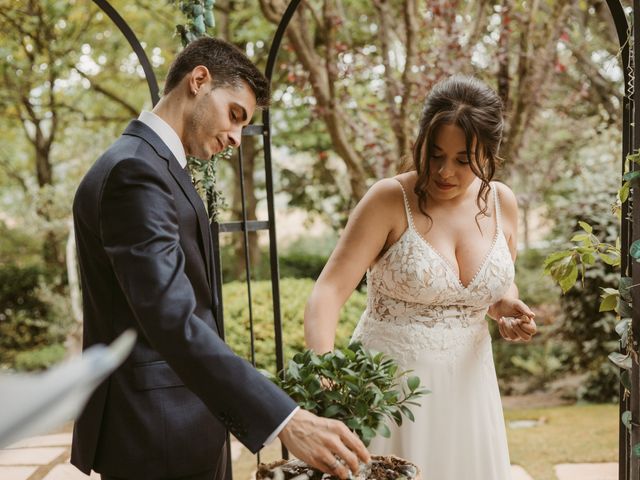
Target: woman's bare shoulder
point(506, 194)
point(508, 201)
point(382, 202)
point(385, 190)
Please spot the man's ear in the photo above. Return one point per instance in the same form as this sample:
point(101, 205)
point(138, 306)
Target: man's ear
point(199, 76)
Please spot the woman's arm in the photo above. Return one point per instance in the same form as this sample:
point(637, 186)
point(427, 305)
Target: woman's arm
point(510, 304)
point(362, 241)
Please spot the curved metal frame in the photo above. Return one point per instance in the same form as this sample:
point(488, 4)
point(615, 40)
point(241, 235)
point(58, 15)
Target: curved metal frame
point(123, 26)
point(629, 465)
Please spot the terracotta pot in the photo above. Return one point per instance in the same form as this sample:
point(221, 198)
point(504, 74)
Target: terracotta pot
point(297, 470)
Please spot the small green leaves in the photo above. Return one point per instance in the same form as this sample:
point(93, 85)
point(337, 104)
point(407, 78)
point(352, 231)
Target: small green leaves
point(623, 328)
point(585, 226)
point(384, 431)
point(413, 383)
point(624, 191)
point(631, 176)
point(636, 449)
point(199, 17)
point(331, 411)
point(625, 288)
point(353, 385)
point(608, 303)
point(634, 249)
point(565, 265)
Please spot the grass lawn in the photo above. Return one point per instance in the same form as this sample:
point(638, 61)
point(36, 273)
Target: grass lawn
point(569, 434)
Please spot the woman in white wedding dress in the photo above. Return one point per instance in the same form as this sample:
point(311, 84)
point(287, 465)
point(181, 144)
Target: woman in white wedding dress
point(437, 244)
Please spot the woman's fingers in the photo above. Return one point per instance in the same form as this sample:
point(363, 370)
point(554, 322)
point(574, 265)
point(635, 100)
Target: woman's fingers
point(515, 329)
point(505, 326)
point(529, 326)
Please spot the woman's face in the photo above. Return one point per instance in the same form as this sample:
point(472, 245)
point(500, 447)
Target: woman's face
point(451, 174)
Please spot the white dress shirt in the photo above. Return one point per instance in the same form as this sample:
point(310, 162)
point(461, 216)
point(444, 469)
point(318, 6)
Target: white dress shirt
point(171, 139)
point(167, 134)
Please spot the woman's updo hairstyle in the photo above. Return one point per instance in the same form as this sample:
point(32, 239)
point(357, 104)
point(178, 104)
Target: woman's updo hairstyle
point(476, 109)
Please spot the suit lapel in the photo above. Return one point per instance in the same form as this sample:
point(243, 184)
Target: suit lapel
point(183, 179)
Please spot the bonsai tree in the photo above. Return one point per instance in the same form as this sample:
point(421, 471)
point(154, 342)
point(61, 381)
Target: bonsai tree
point(363, 389)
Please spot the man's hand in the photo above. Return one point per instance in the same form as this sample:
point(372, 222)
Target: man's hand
point(515, 319)
point(325, 444)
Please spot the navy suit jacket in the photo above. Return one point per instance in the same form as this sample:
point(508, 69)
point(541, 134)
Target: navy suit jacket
point(145, 257)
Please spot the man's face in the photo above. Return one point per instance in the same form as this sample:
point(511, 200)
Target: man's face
point(217, 118)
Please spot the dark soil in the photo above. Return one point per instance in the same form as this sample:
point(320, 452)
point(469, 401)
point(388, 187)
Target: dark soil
point(380, 468)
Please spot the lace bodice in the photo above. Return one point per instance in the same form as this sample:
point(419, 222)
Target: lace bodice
point(417, 302)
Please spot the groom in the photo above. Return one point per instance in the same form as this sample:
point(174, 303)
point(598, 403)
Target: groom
point(146, 262)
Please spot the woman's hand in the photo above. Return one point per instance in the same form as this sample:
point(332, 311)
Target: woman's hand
point(515, 319)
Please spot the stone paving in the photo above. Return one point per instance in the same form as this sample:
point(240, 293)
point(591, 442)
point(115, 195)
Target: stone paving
point(590, 471)
point(47, 458)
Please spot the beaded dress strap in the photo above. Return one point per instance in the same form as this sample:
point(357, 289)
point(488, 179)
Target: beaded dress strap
point(496, 200)
point(407, 209)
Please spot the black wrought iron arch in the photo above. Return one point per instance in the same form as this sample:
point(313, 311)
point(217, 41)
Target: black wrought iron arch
point(123, 26)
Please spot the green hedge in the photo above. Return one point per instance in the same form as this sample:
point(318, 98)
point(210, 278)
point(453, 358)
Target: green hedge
point(23, 315)
point(292, 264)
point(34, 320)
point(39, 358)
point(293, 297)
point(534, 286)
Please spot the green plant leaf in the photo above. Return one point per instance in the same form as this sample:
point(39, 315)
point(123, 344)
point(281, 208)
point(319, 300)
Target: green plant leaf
point(621, 360)
point(353, 423)
point(568, 280)
point(636, 449)
point(622, 326)
point(623, 308)
point(413, 383)
point(634, 249)
point(624, 191)
point(614, 261)
point(556, 257)
point(293, 370)
point(586, 227)
point(580, 237)
point(608, 303)
point(367, 434)
point(626, 419)
point(384, 431)
point(630, 176)
point(407, 413)
point(625, 288)
point(331, 411)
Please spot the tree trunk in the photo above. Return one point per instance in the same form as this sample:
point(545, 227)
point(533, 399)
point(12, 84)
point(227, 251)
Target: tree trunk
point(75, 334)
point(525, 211)
point(249, 152)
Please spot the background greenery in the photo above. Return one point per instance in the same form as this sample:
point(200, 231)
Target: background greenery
point(348, 87)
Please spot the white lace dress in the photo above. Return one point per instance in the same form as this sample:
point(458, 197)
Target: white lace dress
point(419, 312)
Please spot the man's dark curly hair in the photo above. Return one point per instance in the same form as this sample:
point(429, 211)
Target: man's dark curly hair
point(228, 66)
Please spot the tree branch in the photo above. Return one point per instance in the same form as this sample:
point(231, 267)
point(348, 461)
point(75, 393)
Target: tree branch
point(107, 93)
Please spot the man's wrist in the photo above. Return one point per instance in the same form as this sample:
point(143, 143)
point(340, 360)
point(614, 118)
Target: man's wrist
point(280, 427)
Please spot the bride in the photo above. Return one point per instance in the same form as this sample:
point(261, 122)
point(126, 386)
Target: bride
point(437, 244)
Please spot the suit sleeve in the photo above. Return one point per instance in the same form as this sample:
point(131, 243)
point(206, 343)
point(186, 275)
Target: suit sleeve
point(139, 230)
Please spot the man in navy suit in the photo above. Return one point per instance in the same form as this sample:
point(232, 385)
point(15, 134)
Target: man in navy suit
point(145, 257)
